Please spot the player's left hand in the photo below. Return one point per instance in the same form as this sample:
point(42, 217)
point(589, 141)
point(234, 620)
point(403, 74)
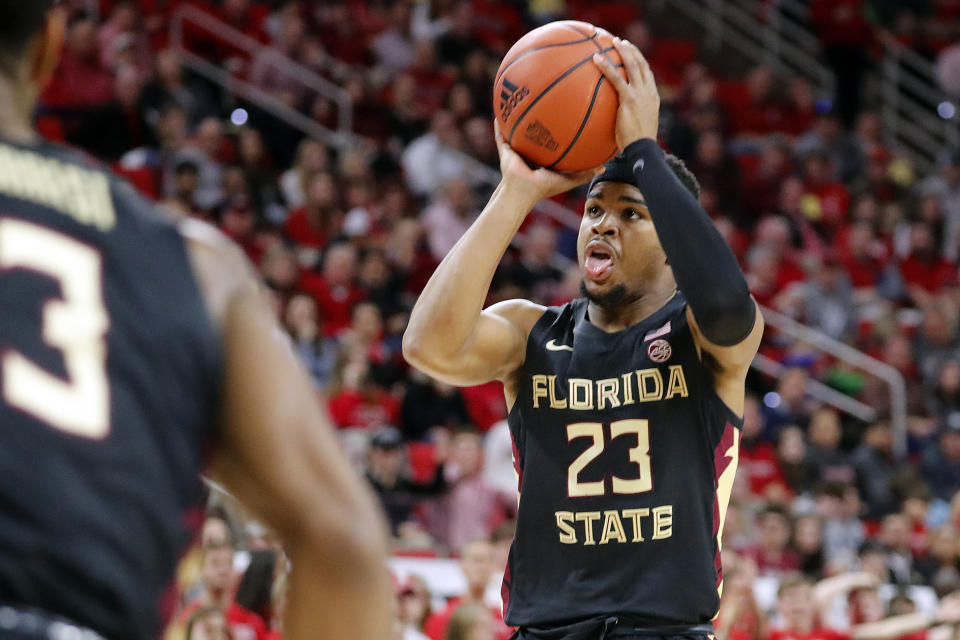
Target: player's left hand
point(535, 184)
point(639, 113)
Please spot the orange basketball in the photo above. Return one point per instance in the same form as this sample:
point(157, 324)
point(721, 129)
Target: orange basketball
point(554, 106)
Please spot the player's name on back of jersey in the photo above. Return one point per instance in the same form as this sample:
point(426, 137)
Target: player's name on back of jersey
point(582, 394)
point(620, 526)
point(80, 193)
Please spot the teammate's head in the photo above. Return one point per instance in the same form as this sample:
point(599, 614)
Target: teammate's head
point(618, 249)
point(31, 35)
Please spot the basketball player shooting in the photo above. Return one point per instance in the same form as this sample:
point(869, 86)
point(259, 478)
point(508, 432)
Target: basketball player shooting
point(625, 404)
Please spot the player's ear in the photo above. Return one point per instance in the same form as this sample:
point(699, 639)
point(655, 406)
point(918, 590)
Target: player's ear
point(45, 52)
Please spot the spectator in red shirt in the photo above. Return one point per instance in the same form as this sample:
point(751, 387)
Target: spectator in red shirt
point(865, 259)
point(357, 403)
point(764, 113)
point(924, 272)
point(798, 612)
point(845, 34)
point(758, 459)
point(81, 80)
point(772, 552)
point(761, 187)
point(827, 199)
point(334, 288)
point(314, 224)
point(476, 563)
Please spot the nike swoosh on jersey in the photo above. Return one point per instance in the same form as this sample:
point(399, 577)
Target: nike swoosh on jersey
point(553, 346)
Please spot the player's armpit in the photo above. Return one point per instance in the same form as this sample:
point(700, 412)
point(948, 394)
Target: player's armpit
point(494, 350)
point(729, 364)
point(276, 452)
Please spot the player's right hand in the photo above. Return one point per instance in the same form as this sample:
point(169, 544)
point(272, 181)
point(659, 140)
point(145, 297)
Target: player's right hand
point(639, 113)
point(534, 184)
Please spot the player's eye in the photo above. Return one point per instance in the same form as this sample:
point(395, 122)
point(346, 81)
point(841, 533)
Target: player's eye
point(593, 210)
point(631, 213)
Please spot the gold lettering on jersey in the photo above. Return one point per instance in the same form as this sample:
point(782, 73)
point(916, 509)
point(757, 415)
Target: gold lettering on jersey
point(607, 391)
point(677, 386)
point(627, 388)
point(662, 522)
point(568, 535)
point(539, 382)
point(554, 402)
point(581, 393)
point(645, 377)
point(586, 528)
point(612, 528)
point(643, 385)
point(587, 518)
point(80, 193)
point(635, 515)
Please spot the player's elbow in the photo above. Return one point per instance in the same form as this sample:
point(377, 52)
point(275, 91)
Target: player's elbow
point(419, 353)
point(350, 536)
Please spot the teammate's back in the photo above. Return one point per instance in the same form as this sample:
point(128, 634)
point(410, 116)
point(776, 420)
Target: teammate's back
point(109, 385)
point(134, 351)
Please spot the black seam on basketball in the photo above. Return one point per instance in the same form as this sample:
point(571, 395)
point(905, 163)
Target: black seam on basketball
point(547, 89)
point(596, 31)
point(540, 48)
point(583, 124)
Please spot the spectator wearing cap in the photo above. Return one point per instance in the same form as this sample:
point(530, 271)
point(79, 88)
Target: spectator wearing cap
point(398, 493)
point(941, 461)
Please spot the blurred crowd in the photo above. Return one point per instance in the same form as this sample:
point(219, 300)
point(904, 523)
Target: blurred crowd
point(828, 531)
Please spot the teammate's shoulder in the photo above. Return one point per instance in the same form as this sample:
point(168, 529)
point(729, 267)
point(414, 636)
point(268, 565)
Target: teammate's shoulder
point(220, 266)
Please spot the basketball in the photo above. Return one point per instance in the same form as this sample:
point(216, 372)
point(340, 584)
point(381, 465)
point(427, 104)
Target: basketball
point(554, 106)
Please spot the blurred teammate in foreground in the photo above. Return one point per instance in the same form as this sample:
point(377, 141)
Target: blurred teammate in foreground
point(130, 348)
point(625, 404)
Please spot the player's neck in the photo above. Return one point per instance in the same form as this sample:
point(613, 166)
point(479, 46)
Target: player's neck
point(620, 317)
point(16, 110)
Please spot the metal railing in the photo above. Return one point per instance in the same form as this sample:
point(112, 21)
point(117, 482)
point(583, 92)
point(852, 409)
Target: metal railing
point(779, 41)
point(282, 64)
point(854, 357)
point(341, 138)
point(911, 100)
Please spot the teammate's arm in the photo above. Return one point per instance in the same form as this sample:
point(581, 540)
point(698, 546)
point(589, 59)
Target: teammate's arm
point(726, 322)
point(450, 335)
point(277, 454)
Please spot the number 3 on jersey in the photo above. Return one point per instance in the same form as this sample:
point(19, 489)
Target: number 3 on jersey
point(75, 325)
point(639, 455)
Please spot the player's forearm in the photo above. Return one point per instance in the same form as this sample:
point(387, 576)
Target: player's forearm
point(340, 591)
point(705, 268)
point(449, 307)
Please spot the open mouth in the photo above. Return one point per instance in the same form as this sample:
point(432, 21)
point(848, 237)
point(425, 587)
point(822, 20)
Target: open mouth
point(598, 262)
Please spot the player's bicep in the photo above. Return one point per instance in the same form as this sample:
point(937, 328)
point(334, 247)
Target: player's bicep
point(495, 349)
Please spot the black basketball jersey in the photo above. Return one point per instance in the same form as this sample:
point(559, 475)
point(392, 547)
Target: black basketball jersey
point(109, 375)
point(626, 457)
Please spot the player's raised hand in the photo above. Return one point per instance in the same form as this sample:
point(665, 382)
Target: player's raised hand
point(535, 184)
point(639, 112)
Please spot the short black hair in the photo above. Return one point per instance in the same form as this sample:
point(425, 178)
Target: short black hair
point(19, 21)
point(684, 175)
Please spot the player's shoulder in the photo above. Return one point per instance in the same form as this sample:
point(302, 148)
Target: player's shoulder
point(220, 266)
point(523, 314)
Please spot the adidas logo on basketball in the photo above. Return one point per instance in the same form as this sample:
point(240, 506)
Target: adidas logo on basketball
point(510, 97)
point(540, 135)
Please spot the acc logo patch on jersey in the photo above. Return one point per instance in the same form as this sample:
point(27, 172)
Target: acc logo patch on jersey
point(659, 351)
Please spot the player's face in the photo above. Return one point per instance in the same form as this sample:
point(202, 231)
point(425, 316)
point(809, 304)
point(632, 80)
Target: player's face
point(618, 249)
